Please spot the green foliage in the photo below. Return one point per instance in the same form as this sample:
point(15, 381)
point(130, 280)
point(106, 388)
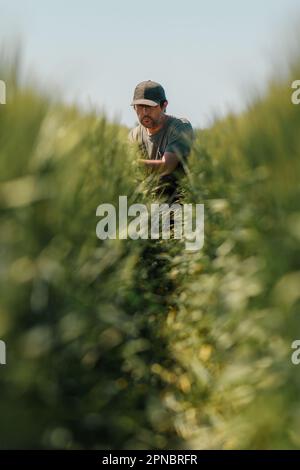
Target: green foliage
point(142, 344)
point(237, 309)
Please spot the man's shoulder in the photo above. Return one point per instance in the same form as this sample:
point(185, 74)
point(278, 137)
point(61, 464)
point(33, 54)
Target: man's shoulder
point(181, 137)
point(181, 128)
point(175, 126)
point(178, 123)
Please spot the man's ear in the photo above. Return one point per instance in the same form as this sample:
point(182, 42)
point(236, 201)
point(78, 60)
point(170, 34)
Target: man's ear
point(165, 106)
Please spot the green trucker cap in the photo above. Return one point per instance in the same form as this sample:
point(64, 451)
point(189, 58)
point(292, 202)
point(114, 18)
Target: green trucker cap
point(149, 93)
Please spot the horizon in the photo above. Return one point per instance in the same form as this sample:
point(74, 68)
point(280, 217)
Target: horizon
point(99, 54)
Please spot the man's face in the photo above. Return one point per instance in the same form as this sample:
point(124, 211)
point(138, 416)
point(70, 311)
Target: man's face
point(150, 116)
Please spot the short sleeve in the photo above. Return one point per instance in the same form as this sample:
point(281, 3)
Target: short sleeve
point(181, 140)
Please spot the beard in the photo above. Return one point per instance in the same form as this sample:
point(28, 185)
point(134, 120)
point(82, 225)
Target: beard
point(149, 122)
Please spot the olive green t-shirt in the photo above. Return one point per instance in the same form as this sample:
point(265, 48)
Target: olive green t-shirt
point(176, 136)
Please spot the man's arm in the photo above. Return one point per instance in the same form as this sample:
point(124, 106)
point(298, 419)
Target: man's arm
point(165, 166)
point(178, 148)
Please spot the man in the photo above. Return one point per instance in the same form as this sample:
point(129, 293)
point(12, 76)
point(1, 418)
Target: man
point(164, 141)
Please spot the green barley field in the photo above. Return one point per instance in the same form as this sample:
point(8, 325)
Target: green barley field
point(141, 344)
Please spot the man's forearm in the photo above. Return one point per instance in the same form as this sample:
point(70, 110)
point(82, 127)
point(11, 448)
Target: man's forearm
point(165, 166)
point(156, 165)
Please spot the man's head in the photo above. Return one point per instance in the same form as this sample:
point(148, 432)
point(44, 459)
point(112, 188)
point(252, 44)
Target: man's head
point(149, 101)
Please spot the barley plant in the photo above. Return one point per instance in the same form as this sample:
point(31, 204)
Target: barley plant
point(141, 344)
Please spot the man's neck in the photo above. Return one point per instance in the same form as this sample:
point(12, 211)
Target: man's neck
point(154, 130)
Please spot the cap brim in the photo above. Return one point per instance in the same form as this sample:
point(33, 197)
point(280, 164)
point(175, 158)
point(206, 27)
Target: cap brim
point(145, 102)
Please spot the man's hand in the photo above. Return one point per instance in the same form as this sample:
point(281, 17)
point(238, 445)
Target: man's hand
point(165, 166)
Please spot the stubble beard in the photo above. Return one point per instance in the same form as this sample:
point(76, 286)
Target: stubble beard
point(151, 123)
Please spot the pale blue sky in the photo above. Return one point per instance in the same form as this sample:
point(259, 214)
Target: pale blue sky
point(208, 54)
